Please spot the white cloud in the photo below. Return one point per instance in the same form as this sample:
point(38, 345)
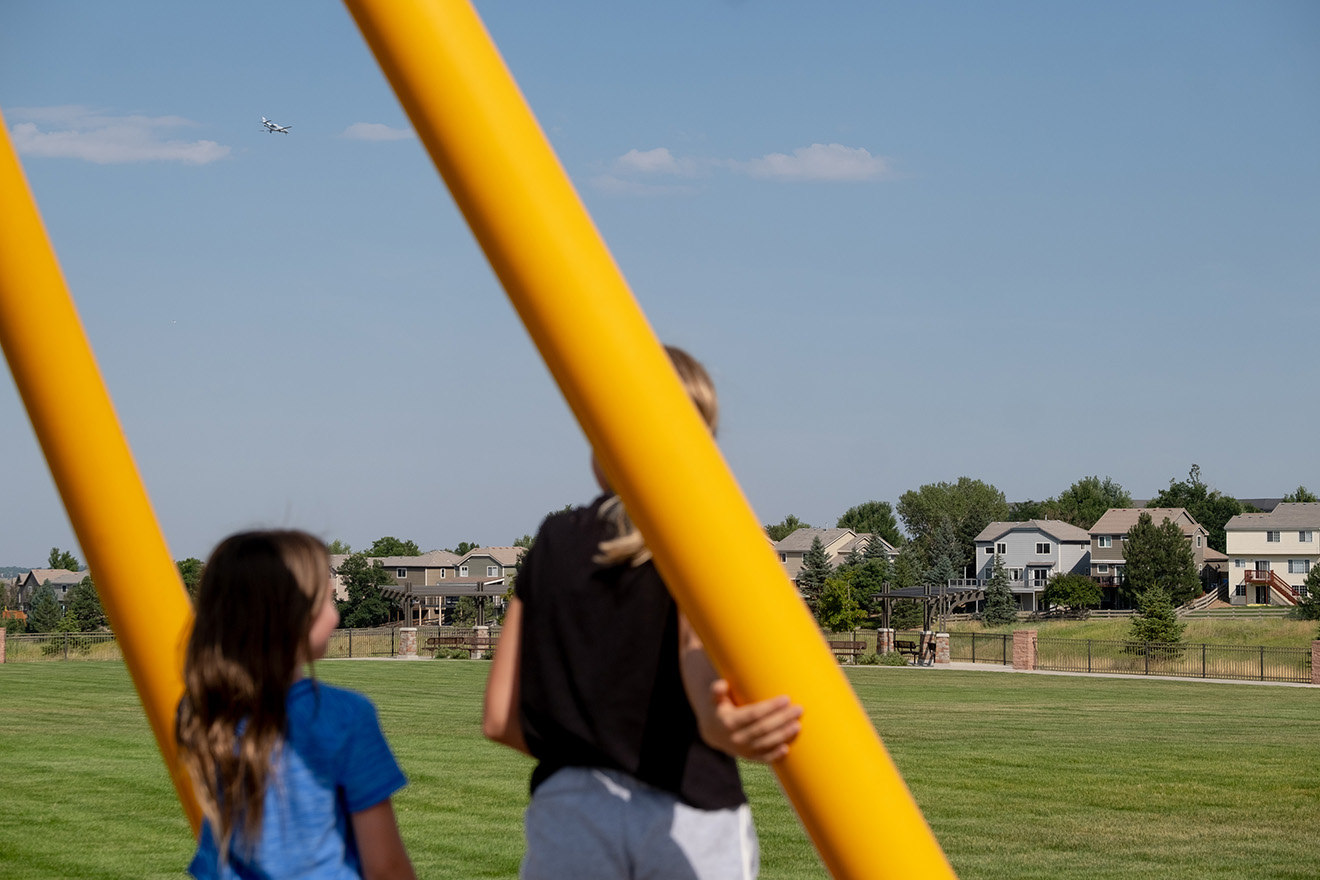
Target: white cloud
point(831, 162)
point(617, 186)
point(657, 161)
point(375, 131)
point(73, 132)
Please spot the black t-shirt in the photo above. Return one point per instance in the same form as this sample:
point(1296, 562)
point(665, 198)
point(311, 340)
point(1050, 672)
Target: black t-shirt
point(599, 677)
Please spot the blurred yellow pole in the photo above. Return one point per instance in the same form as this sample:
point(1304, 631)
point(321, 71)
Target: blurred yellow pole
point(578, 309)
point(75, 423)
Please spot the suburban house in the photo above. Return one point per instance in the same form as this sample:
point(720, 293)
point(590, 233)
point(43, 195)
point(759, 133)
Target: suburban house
point(838, 543)
point(1272, 553)
point(422, 584)
point(62, 581)
point(1032, 551)
point(1109, 534)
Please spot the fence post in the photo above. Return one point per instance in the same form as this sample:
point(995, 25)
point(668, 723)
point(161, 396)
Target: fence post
point(1203, 660)
point(1262, 662)
point(1088, 655)
point(350, 643)
point(1315, 661)
point(1024, 649)
point(66, 646)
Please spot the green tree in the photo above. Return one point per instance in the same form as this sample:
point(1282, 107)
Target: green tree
point(365, 606)
point(907, 614)
point(1157, 620)
point(338, 548)
point(968, 505)
point(463, 612)
point(1302, 495)
point(872, 518)
point(44, 610)
point(1021, 511)
point(789, 525)
point(391, 546)
point(1076, 591)
point(62, 559)
point(464, 548)
point(85, 606)
point(1207, 506)
point(1309, 607)
point(839, 609)
point(190, 571)
point(1085, 501)
point(943, 555)
point(869, 582)
point(1000, 606)
point(526, 542)
point(1159, 557)
point(815, 569)
point(908, 567)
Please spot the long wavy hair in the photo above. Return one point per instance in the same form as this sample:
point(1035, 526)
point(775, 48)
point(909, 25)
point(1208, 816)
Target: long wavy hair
point(260, 592)
point(625, 542)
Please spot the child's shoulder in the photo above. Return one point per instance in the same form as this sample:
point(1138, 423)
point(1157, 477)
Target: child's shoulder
point(327, 702)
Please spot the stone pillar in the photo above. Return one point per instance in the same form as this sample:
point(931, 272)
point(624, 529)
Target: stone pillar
point(408, 642)
point(1315, 658)
point(942, 649)
point(4, 632)
point(884, 641)
point(1024, 649)
point(483, 635)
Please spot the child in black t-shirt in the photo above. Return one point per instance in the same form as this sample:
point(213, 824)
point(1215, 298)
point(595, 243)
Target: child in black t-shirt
point(602, 680)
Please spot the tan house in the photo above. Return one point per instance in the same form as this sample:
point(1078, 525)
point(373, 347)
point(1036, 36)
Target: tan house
point(1270, 554)
point(838, 543)
point(1109, 534)
point(61, 580)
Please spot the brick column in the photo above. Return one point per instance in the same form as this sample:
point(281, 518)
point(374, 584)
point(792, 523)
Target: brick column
point(1024, 649)
point(884, 641)
point(408, 642)
point(942, 649)
point(1315, 658)
point(483, 634)
point(4, 632)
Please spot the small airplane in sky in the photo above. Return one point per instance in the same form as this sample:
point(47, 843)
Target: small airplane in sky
point(272, 128)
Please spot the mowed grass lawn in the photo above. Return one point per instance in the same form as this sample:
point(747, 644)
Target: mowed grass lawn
point(1020, 776)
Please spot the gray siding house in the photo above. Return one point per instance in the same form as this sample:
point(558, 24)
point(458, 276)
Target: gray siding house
point(1032, 551)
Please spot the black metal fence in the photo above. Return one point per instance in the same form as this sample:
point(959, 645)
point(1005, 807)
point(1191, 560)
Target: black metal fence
point(1238, 662)
point(29, 647)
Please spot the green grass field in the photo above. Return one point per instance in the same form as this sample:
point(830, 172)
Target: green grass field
point(1020, 776)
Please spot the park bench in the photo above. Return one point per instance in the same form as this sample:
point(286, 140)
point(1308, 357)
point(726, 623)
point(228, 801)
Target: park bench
point(904, 646)
point(470, 643)
point(848, 649)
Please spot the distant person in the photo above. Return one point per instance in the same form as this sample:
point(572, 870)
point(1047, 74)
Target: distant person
point(601, 679)
point(294, 776)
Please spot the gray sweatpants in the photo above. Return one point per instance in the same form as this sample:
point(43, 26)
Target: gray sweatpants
point(591, 824)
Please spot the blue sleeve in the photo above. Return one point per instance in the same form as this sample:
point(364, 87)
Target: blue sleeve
point(368, 772)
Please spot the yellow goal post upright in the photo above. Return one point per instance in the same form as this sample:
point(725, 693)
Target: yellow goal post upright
point(75, 423)
point(571, 296)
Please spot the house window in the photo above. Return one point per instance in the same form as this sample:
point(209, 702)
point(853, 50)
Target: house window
point(492, 571)
point(1299, 566)
point(442, 574)
point(1239, 563)
point(1042, 548)
point(989, 551)
point(462, 571)
point(1105, 541)
point(1271, 537)
point(1240, 589)
point(1040, 577)
point(1015, 575)
point(1304, 537)
point(783, 557)
point(1198, 540)
point(1102, 568)
point(400, 572)
point(1001, 549)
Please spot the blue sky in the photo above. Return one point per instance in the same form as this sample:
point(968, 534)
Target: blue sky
point(1023, 242)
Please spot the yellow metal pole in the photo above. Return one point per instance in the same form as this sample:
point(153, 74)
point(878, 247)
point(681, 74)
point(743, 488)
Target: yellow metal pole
point(611, 368)
point(75, 423)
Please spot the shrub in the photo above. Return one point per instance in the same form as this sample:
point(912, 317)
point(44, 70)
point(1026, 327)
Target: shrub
point(868, 659)
point(893, 658)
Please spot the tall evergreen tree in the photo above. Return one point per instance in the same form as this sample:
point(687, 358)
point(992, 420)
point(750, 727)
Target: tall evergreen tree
point(943, 554)
point(815, 569)
point(85, 605)
point(1157, 620)
point(62, 559)
point(1309, 607)
point(44, 611)
point(1159, 557)
point(1207, 506)
point(1000, 606)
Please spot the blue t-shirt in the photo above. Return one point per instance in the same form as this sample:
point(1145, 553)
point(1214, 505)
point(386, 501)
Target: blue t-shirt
point(334, 762)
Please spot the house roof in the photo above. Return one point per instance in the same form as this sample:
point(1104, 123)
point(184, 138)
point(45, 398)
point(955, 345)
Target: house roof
point(433, 559)
point(800, 540)
point(1304, 515)
point(502, 555)
point(1265, 505)
point(1055, 528)
point(1117, 520)
point(56, 576)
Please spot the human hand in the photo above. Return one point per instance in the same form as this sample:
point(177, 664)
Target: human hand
point(757, 731)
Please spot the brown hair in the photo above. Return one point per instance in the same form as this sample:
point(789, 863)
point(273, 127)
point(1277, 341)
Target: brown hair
point(259, 594)
point(625, 543)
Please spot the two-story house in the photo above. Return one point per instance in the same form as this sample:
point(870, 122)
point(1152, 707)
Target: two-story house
point(1109, 534)
point(838, 543)
point(1270, 552)
point(424, 584)
point(1031, 551)
point(62, 581)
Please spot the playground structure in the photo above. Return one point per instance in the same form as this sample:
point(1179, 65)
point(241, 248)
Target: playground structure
point(613, 372)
